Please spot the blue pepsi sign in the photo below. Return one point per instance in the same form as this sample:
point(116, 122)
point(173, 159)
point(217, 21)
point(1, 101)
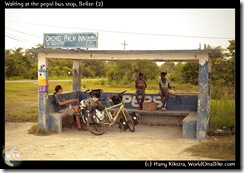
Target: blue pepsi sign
point(70, 40)
point(186, 102)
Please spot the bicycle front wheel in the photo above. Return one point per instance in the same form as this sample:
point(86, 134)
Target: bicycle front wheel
point(96, 127)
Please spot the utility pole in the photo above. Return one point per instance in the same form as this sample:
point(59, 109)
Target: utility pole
point(205, 46)
point(124, 44)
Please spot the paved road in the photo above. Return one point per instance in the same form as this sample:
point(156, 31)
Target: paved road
point(34, 81)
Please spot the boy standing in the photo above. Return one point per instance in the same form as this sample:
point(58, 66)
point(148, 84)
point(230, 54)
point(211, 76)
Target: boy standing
point(140, 85)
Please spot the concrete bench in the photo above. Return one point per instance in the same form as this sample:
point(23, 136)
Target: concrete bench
point(181, 111)
point(190, 125)
point(186, 119)
point(56, 121)
point(161, 117)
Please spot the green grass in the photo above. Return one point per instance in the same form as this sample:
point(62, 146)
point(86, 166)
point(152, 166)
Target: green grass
point(21, 103)
point(222, 117)
point(152, 88)
point(216, 147)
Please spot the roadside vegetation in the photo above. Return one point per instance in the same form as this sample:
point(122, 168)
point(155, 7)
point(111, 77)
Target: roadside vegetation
point(35, 130)
point(21, 98)
point(216, 147)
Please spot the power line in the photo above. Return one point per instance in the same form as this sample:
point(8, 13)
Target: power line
point(136, 33)
point(23, 32)
point(17, 38)
point(14, 38)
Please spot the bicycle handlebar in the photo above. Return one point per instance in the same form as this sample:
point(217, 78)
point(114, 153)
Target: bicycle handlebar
point(88, 91)
point(122, 92)
point(117, 95)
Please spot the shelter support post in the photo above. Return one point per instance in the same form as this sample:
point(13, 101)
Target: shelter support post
point(76, 75)
point(42, 91)
point(203, 111)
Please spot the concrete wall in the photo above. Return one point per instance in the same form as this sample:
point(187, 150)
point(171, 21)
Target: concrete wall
point(178, 106)
point(161, 119)
point(177, 102)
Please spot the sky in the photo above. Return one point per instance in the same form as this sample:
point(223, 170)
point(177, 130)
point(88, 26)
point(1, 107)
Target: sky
point(139, 29)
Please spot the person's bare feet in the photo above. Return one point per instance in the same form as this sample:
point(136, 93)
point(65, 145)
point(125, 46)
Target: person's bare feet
point(164, 109)
point(82, 128)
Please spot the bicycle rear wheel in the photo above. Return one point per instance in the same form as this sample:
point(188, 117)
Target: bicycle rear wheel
point(130, 125)
point(95, 127)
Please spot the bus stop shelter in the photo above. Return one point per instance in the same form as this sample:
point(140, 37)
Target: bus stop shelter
point(203, 57)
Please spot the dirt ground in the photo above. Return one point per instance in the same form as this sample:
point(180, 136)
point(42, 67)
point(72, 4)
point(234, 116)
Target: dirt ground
point(146, 143)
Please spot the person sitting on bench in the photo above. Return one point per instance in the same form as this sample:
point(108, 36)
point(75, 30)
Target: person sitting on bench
point(61, 106)
point(164, 86)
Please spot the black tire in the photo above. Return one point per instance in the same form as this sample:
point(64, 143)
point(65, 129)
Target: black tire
point(122, 127)
point(131, 125)
point(96, 128)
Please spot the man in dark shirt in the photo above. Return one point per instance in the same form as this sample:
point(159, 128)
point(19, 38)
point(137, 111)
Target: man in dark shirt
point(71, 110)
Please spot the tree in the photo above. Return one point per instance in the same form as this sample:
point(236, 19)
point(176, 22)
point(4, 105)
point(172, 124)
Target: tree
point(190, 73)
point(59, 67)
point(125, 72)
point(20, 63)
point(167, 66)
point(98, 67)
point(176, 74)
point(223, 69)
point(86, 71)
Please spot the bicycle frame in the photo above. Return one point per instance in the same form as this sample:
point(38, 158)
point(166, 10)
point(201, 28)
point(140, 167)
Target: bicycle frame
point(121, 109)
point(99, 126)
